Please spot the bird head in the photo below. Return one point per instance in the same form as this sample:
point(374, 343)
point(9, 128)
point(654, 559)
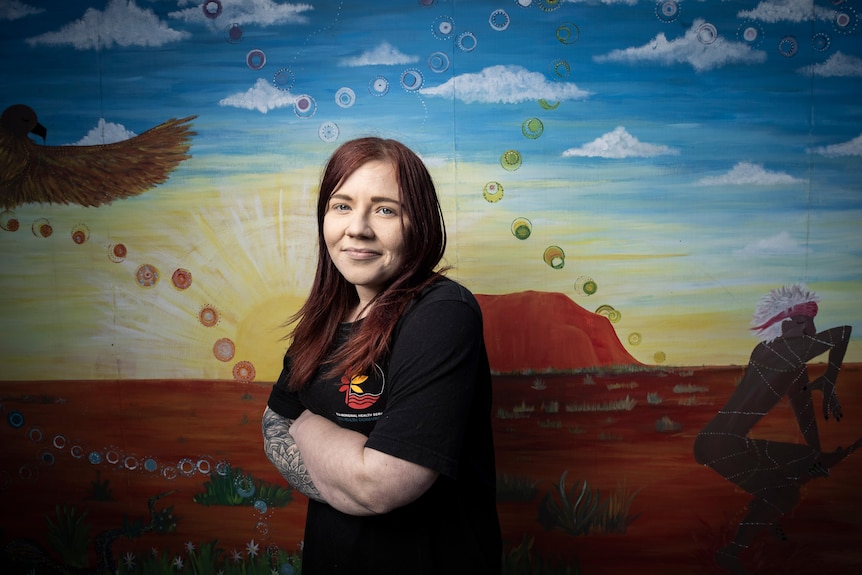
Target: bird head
point(21, 120)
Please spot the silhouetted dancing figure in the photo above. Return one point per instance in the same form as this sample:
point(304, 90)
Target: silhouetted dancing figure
point(773, 471)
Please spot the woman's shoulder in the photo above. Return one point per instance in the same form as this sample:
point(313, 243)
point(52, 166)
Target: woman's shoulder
point(446, 289)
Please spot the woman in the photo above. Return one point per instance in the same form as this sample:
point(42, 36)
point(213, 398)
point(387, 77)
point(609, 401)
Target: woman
point(381, 415)
point(773, 472)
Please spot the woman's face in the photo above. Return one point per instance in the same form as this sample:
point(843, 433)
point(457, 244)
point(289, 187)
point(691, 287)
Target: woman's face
point(362, 228)
point(797, 326)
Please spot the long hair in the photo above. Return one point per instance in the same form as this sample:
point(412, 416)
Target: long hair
point(332, 297)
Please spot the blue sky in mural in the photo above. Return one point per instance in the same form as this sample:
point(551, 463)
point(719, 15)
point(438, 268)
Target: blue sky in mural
point(724, 134)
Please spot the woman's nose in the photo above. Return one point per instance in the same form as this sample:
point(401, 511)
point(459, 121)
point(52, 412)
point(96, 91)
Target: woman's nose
point(358, 225)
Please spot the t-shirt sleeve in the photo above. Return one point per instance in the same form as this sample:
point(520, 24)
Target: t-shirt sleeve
point(282, 400)
point(432, 372)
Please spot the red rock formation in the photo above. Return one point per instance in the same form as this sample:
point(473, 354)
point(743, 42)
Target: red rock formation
point(542, 330)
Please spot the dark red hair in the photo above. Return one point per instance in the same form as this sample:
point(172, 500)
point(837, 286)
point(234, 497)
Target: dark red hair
point(332, 297)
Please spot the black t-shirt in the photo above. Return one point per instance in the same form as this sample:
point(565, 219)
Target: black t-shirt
point(429, 402)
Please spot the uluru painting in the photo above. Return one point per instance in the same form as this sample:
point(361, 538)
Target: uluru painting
point(624, 183)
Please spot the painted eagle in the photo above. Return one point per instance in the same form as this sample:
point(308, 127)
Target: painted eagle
point(84, 175)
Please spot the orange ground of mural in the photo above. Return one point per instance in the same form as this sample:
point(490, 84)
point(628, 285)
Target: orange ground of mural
point(105, 447)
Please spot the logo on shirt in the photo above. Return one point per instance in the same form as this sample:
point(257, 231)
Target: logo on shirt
point(361, 391)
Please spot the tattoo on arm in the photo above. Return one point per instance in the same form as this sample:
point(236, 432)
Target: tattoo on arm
point(282, 451)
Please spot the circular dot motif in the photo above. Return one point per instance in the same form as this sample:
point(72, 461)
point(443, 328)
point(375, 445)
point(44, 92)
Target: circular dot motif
point(208, 316)
point(545, 105)
point(328, 132)
point(585, 285)
point(15, 419)
point(635, 338)
point(243, 372)
point(555, 257)
point(181, 278)
point(522, 228)
point(568, 33)
point(820, 42)
point(80, 234)
point(549, 5)
point(117, 252)
point(559, 69)
point(233, 33)
point(609, 312)
point(438, 62)
point(283, 79)
point(511, 160)
point(224, 349)
point(467, 42)
point(667, 11)
point(212, 9)
point(147, 275)
point(532, 128)
point(659, 357)
point(499, 20)
point(443, 28)
point(493, 192)
point(42, 228)
point(378, 86)
point(788, 46)
point(8, 221)
point(255, 59)
point(846, 20)
point(345, 97)
point(304, 106)
point(707, 33)
point(412, 80)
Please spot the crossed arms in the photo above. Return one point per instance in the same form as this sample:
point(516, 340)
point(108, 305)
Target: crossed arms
point(328, 463)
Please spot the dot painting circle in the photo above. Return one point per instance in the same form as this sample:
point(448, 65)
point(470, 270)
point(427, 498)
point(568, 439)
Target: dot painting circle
point(467, 42)
point(224, 349)
point(283, 79)
point(788, 46)
point(499, 20)
point(255, 59)
point(585, 285)
point(147, 275)
point(412, 80)
point(378, 86)
point(233, 33)
point(345, 97)
point(244, 372)
point(181, 278)
point(328, 132)
point(42, 228)
point(493, 192)
point(707, 33)
point(208, 316)
point(117, 252)
point(568, 33)
point(212, 8)
point(443, 27)
point(304, 106)
point(667, 11)
point(438, 62)
point(80, 234)
point(511, 160)
point(8, 221)
point(522, 228)
point(555, 257)
point(532, 128)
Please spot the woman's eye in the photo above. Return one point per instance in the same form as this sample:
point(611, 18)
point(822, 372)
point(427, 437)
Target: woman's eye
point(387, 211)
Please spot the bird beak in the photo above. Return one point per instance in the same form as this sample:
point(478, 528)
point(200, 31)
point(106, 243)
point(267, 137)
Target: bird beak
point(40, 131)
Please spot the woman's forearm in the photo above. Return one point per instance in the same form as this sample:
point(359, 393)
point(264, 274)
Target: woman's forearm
point(282, 451)
point(352, 478)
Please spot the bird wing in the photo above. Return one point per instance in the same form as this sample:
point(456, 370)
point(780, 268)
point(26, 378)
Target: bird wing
point(96, 175)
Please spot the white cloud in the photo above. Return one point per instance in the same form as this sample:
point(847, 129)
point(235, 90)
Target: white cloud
point(105, 133)
point(385, 54)
point(698, 48)
point(838, 64)
point(619, 144)
point(263, 97)
point(851, 148)
point(122, 23)
point(260, 12)
point(748, 174)
point(505, 85)
point(777, 245)
point(786, 11)
point(15, 9)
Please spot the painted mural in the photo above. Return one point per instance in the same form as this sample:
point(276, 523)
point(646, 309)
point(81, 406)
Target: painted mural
point(635, 190)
